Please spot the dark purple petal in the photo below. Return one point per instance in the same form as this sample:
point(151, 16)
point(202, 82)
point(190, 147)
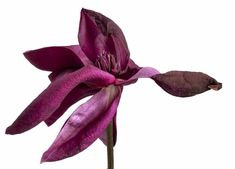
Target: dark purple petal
point(99, 34)
point(56, 58)
point(145, 72)
point(78, 93)
point(185, 84)
point(87, 36)
point(132, 69)
point(80, 54)
point(85, 125)
point(52, 97)
point(119, 49)
point(133, 65)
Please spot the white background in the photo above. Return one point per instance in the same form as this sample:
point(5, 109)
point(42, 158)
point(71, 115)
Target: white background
point(155, 130)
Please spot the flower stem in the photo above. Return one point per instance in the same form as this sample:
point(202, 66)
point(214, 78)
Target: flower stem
point(110, 146)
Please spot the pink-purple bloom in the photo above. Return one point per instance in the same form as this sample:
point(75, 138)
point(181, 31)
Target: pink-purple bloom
point(99, 66)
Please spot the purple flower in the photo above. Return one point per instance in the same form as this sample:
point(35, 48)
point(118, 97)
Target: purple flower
point(100, 66)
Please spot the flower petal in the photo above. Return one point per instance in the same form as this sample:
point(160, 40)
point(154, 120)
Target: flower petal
point(184, 83)
point(119, 49)
point(78, 93)
point(144, 72)
point(99, 34)
point(133, 65)
point(56, 58)
point(51, 98)
point(131, 69)
point(85, 125)
point(80, 54)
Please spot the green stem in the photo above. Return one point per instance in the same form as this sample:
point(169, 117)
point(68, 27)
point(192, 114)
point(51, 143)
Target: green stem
point(110, 146)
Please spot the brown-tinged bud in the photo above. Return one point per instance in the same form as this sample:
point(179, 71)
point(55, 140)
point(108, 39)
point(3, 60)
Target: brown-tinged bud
point(185, 84)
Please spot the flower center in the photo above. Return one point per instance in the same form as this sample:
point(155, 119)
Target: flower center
point(108, 62)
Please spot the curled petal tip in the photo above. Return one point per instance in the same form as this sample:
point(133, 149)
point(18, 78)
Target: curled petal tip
point(215, 87)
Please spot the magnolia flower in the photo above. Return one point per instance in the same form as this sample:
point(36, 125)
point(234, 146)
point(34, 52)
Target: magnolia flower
point(100, 66)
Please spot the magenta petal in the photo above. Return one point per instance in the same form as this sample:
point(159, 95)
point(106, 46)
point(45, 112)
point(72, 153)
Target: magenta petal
point(80, 54)
point(85, 125)
point(56, 58)
point(145, 72)
point(87, 36)
point(99, 34)
point(78, 93)
point(52, 97)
